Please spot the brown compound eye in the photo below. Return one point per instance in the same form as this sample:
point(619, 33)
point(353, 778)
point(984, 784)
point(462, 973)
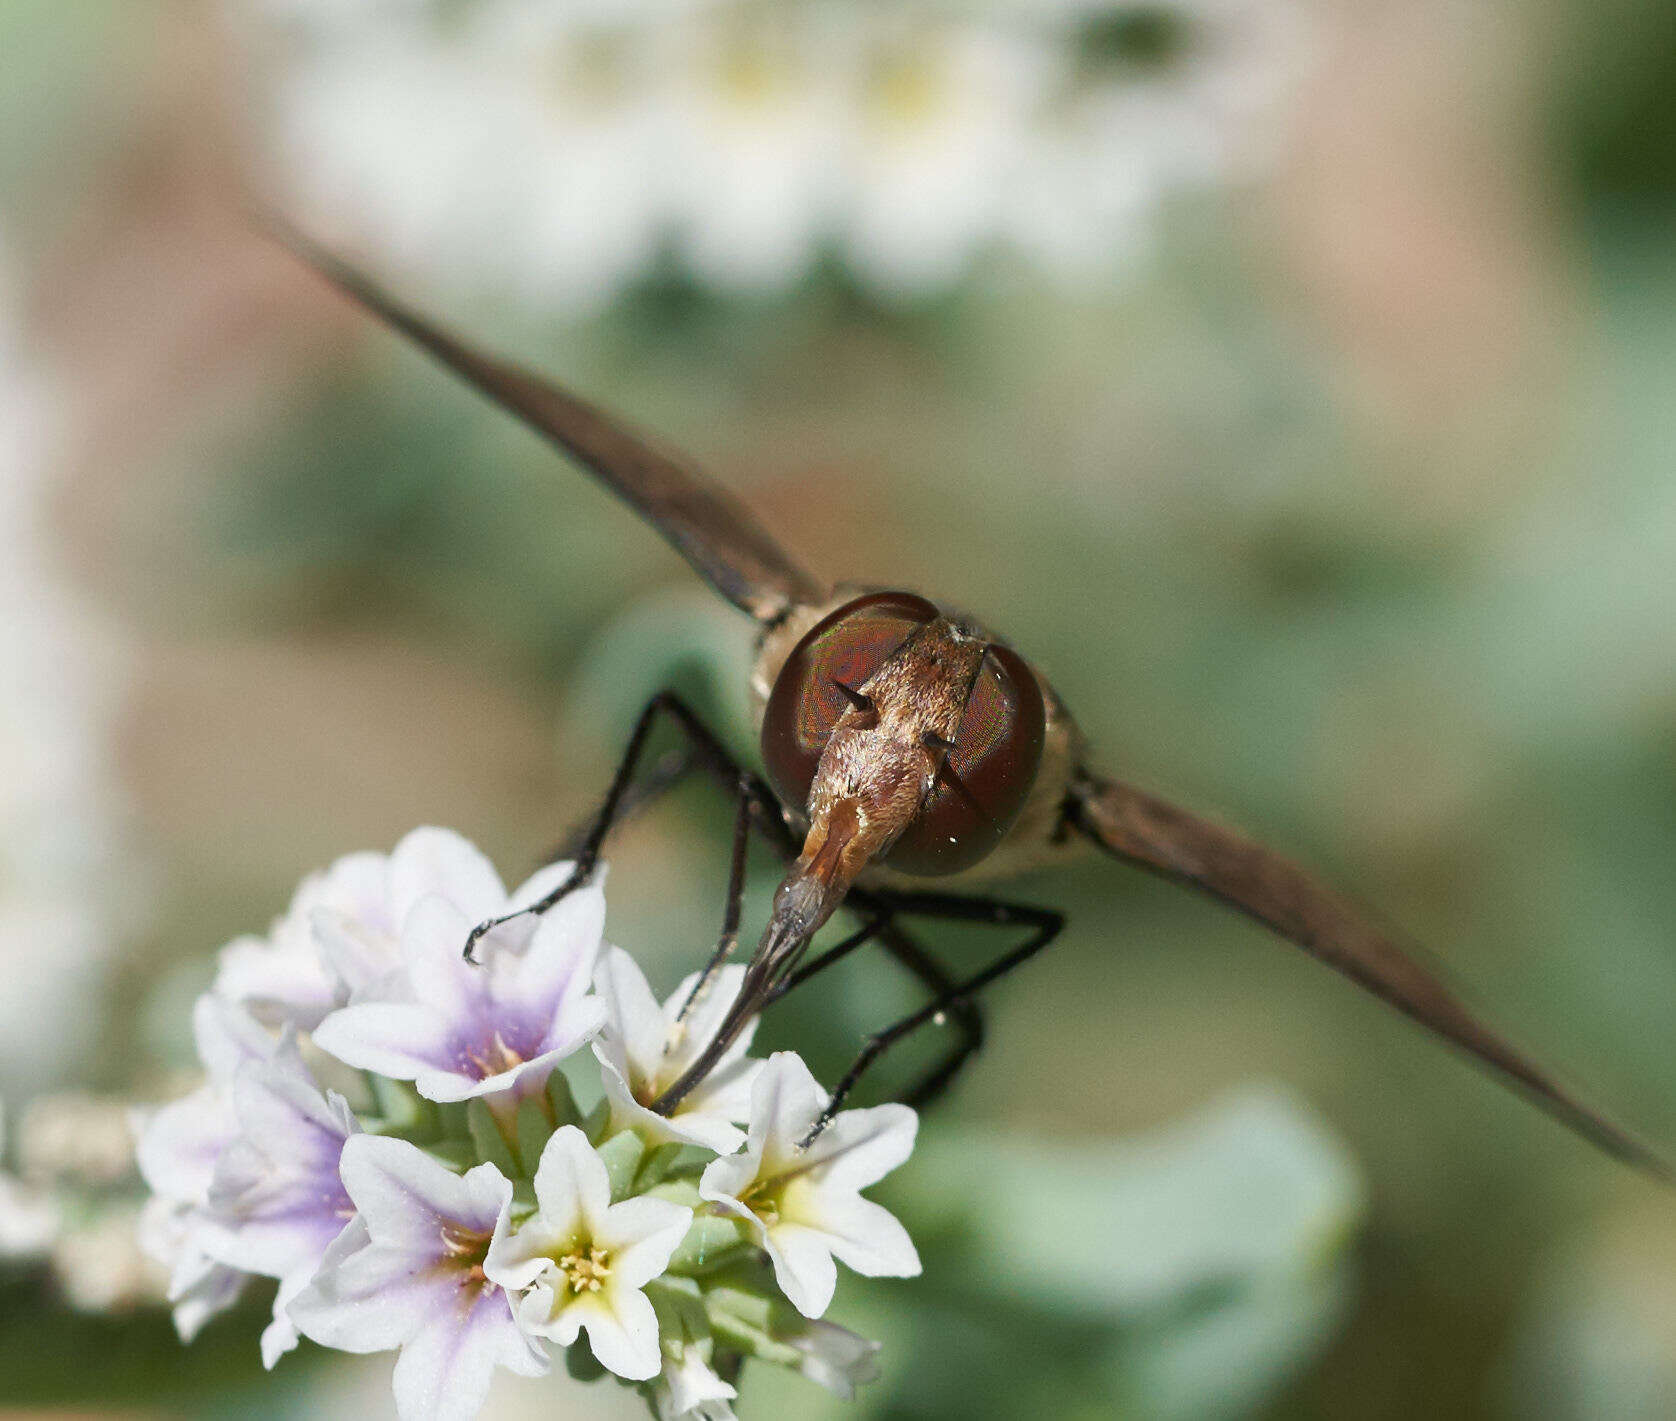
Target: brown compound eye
point(986, 776)
point(822, 678)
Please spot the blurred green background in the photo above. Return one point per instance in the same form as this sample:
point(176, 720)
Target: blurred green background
point(1347, 510)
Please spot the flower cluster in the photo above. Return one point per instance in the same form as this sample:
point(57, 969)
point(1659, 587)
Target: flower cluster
point(384, 1130)
point(558, 152)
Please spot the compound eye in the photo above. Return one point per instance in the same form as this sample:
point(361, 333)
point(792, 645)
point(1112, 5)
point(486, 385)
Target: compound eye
point(986, 774)
point(823, 677)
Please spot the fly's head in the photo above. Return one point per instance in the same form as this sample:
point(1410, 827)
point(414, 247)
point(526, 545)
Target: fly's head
point(908, 738)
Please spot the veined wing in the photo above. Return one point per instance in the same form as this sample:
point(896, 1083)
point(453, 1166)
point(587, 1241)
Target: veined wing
point(1178, 845)
point(706, 524)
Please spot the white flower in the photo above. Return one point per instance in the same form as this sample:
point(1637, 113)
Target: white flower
point(459, 1029)
point(100, 1265)
point(66, 874)
point(199, 1287)
point(339, 941)
point(942, 126)
point(28, 1216)
point(72, 1135)
point(556, 151)
point(176, 1150)
point(689, 1390)
point(833, 1356)
point(642, 1052)
point(804, 1205)
point(409, 1274)
point(276, 1202)
point(757, 147)
point(585, 1260)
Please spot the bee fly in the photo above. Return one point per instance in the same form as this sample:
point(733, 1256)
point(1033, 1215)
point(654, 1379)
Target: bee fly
point(907, 745)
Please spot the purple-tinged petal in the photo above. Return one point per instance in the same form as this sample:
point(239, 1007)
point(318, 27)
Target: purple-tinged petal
point(177, 1150)
point(543, 881)
point(276, 1201)
point(395, 1039)
point(444, 1371)
point(558, 964)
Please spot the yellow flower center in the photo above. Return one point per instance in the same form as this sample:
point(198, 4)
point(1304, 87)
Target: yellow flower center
point(585, 1272)
point(763, 1200)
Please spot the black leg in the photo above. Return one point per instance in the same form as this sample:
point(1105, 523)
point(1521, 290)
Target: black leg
point(729, 938)
point(882, 927)
point(668, 772)
point(963, 1012)
point(1044, 925)
point(707, 752)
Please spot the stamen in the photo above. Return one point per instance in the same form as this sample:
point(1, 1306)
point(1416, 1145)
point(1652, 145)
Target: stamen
point(585, 1272)
point(497, 1058)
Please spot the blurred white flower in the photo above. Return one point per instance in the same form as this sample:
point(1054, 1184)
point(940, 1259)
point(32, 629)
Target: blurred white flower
point(834, 1357)
point(586, 1261)
point(28, 1215)
point(688, 1390)
point(72, 1135)
point(100, 1266)
point(65, 870)
point(642, 1051)
point(942, 125)
point(804, 1205)
point(557, 152)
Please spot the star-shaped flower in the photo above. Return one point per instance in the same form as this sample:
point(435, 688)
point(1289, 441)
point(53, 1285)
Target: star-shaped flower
point(409, 1274)
point(585, 1260)
point(805, 1205)
point(458, 1029)
point(341, 936)
point(642, 1051)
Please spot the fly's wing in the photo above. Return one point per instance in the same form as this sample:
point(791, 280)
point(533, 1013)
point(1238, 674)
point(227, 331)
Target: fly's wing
point(708, 526)
point(1178, 845)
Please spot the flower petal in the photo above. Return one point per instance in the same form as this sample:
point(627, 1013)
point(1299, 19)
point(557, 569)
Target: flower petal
point(784, 1105)
point(571, 1185)
point(431, 861)
point(622, 1329)
point(803, 1267)
point(834, 1357)
point(861, 1234)
point(860, 1147)
point(641, 1234)
point(396, 1039)
point(444, 1371)
point(404, 1195)
point(558, 964)
point(633, 1036)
